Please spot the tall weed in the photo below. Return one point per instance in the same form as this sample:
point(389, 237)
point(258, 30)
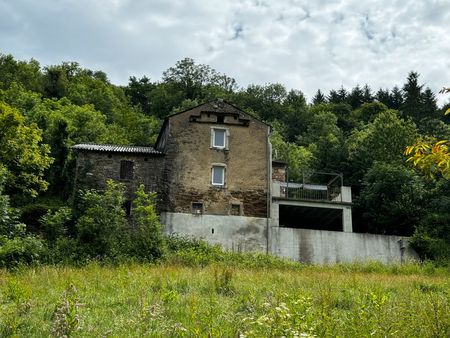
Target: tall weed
point(66, 318)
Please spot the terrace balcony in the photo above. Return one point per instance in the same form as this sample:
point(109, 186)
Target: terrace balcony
point(319, 202)
point(331, 191)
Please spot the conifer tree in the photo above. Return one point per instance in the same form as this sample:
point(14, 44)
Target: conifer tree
point(356, 98)
point(384, 97)
point(367, 94)
point(429, 104)
point(333, 97)
point(318, 98)
point(343, 95)
point(412, 94)
point(396, 98)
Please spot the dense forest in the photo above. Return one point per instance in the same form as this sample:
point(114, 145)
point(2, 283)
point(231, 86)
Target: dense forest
point(361, 132)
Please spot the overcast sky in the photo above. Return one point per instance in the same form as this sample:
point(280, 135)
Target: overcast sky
point(304, 45)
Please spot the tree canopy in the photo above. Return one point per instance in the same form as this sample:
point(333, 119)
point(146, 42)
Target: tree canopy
point(361, 132)
point(22, 154)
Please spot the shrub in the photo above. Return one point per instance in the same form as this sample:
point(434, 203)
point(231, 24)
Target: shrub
point(146, 240)
point(54, 223)
point(34, 209)
point(432, 237)
point(101, 227)
point(428, 247)
point(192, 251)
point(196, 252)
point(104, 232)
point(21, 250)
point(65, 250)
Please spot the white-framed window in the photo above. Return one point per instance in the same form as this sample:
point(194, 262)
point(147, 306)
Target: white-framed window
point(218, 175)
point(219, 138)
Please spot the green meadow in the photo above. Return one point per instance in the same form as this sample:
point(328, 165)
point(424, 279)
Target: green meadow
point(274, 299)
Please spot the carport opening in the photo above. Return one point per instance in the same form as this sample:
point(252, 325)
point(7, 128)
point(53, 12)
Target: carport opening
point(310, 218)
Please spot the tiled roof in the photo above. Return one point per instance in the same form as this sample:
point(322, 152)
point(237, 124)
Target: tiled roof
point(111, 148)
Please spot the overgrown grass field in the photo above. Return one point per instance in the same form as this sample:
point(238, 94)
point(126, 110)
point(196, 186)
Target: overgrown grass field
point(225, 300)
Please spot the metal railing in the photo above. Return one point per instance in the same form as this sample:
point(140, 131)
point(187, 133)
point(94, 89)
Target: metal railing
point(330, 190)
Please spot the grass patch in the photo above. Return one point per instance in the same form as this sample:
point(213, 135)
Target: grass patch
point(225, 300)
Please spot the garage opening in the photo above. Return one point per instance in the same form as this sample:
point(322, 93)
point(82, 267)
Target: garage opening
point(310, 218)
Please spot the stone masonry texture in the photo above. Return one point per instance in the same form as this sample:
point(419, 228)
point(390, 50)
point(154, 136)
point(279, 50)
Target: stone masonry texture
point(182, 175)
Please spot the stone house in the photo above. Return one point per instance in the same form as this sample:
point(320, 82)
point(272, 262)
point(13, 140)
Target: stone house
point(213, 172)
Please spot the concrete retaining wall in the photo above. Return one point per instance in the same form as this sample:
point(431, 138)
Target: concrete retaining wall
point(243, 234)
point(234, 233)
point(323, 247)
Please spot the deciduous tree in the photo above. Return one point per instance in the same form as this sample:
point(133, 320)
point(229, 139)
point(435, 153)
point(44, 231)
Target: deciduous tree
point(22, 153)
point(392, 199)
point(382, 140)
point(431, 156)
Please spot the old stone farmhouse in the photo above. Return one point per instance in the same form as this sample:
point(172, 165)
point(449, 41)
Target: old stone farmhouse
point(213, 171)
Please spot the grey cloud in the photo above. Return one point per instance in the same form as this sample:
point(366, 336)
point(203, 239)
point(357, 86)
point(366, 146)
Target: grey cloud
point(237, 31)
point(302, 44)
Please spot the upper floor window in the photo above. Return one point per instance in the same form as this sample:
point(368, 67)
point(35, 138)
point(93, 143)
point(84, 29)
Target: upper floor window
point(219, 138)
point(126, 170)
point(218, 175)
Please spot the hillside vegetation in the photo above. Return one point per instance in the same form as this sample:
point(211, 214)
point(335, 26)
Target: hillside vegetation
point(360, 132)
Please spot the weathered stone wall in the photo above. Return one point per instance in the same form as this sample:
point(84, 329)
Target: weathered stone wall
point(189, 159)
point(95, 168)
point(278, 172)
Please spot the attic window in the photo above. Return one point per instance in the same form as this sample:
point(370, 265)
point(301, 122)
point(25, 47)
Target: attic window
point(126, 170)
point(220, 119)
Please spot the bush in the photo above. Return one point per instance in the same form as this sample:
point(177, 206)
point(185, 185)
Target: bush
point(21, 251)
point(431, 238)
point(65, 250)
point(192, 251)
point(54, 223)
point(32, 212)
point(429, 246)
point(196, 252)
point(145, 238)
point(101, 227)
point(104, 232)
